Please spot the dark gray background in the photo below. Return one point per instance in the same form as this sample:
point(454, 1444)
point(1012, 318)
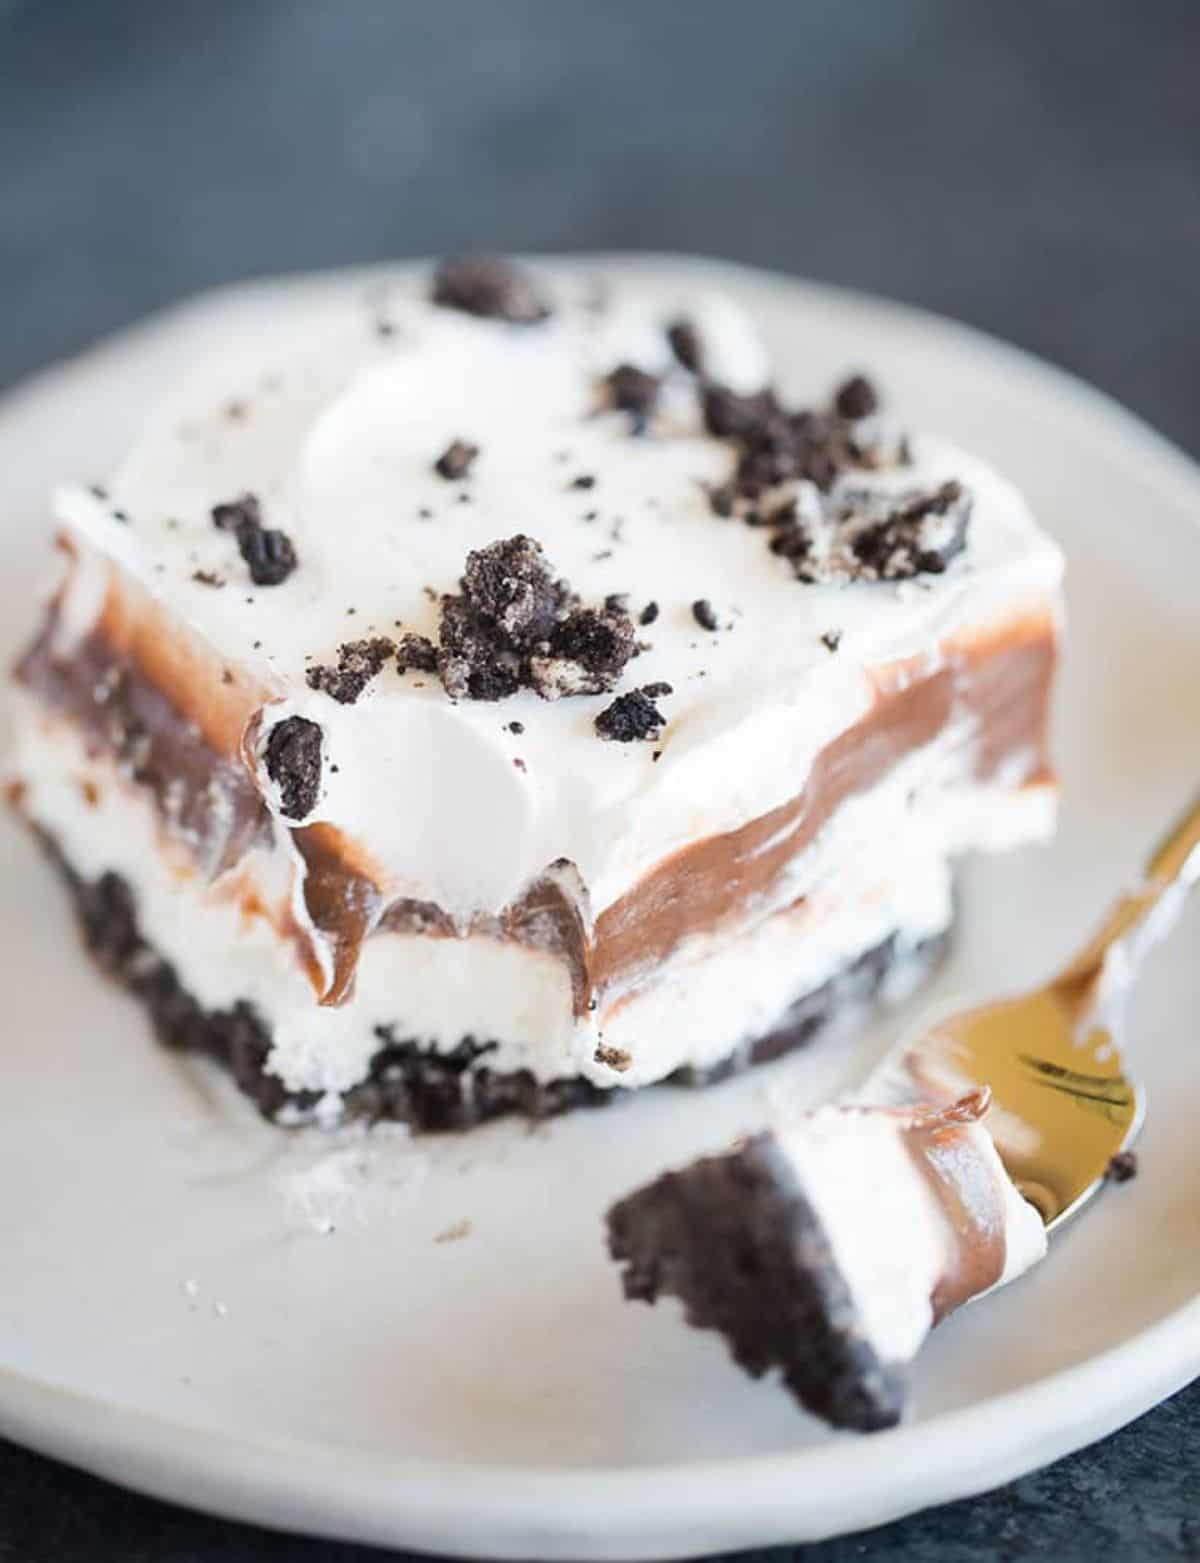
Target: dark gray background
point(1031, 167)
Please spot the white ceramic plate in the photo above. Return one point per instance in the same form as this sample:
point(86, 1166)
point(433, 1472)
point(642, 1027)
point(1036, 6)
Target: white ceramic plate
point(175, 1314)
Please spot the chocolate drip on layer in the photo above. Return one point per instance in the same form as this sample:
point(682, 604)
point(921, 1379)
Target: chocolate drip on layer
point(965, 1187)
point(1003, 688)
point(207, 800)
point(551, 916)
point(343, 904)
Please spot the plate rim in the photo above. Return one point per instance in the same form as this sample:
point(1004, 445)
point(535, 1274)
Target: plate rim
point(668, 1510)
point(264, 1481)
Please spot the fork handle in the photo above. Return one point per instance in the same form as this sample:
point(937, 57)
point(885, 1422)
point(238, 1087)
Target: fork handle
point(1140, 918)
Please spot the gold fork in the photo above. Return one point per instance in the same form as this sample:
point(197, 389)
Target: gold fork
point(1064, 1104)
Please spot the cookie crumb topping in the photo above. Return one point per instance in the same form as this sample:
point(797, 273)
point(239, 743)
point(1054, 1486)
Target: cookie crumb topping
point(705, 614)
point(721, 498)
point(634, 716)
point(516, 625)
point(293, 762)
point(456, 460)
point(919, 534)
point(686, 345)
point(416, 653)
point(613, 1057)
point(490, 288)
point(793, 476)
point(856, 398)
point(1122, 1167)
point(632, 390)
point(269, 553)
point(358, 661)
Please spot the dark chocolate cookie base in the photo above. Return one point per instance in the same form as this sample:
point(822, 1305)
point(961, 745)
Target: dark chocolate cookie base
point(407, 1082)
point(736, 1241)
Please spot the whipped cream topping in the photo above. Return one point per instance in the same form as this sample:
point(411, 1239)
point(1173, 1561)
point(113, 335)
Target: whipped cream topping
point(339, 443)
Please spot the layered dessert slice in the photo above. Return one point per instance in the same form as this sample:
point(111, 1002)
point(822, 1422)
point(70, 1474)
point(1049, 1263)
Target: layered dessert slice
point(829, 1247)
point(507, 696)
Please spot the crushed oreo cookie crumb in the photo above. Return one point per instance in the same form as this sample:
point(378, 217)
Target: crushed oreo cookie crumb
point(515, 625)
point(648, 614)
point(791, 477)
point(632, 717)
point(358, 661)
point(613, 1057)
point(207, 578)
point(831, 639)
point(704, 614)
point(919, 536)
point(456, 460)
point(617, 602)
point(516, 727)
point(1122, 1167)
point(416, 652)
point(586, 655)
point(245, 511)
point(730, 416)
point(721, 497)
point(293, 762)
point(793, 543)
point(491, 288)
point(268, 552)
point(474, 659)
point(686, 345)
point(856, 398)
point(634, 391)
point(511, 584)
point(784, 514)
point(585, 480)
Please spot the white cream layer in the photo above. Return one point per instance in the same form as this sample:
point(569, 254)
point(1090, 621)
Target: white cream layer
point(339, 439)
point(890, 1237)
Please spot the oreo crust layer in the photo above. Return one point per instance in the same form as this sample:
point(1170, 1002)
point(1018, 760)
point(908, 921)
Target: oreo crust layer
point(734, 1238)
point(407, 1082)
